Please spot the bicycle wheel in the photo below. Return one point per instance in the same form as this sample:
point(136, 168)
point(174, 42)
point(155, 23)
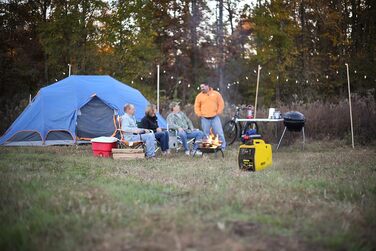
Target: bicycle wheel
point(231, 132)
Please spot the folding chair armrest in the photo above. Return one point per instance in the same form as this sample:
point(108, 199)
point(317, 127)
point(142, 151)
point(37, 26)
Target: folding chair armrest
point(172, 132)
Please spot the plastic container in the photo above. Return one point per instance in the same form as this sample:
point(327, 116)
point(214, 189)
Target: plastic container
point(250, 112)
point(102, 146)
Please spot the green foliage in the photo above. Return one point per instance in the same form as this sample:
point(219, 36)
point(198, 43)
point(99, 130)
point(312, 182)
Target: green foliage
point(302, 47)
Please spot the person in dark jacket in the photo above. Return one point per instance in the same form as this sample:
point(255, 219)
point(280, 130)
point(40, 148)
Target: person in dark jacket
point(150, 122)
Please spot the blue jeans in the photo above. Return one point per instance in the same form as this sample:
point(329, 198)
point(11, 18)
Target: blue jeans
point(184, 136)
point(163, 139)
point(148, 139)
point(216, 124)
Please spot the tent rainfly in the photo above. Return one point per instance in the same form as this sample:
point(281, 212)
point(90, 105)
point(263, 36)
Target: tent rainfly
point(73, 109)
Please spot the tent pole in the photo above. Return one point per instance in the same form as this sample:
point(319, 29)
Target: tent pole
point(158, 88)
point(351, 118)
point(257, 88)
point(69, 69)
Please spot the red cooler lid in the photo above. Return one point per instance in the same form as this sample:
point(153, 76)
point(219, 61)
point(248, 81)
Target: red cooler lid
point(104, 140)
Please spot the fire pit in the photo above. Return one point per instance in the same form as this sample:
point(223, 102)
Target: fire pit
point(210, 145)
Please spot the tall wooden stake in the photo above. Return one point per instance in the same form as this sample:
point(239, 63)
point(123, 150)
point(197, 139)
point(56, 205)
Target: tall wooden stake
point(158, 88)
point(257, 87)
point(351, 118)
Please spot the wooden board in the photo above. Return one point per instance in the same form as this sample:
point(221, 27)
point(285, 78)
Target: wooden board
point(128, 153)
point(127, 150)
point(129, 156)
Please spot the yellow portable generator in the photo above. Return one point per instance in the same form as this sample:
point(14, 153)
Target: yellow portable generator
point(254, 155)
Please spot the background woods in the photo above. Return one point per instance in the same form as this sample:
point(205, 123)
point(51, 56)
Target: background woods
point(302, 46)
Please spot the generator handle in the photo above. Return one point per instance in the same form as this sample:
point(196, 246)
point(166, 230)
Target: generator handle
point(258, 141)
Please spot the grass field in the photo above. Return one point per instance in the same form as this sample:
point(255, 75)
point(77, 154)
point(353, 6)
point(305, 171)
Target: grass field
point(62, 198)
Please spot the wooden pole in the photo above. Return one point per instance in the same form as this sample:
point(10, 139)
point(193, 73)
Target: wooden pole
point(257, 88)
point(158, 88)
point(351, 118)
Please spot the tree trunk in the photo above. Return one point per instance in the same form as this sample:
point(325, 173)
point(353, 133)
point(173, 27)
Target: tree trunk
point(84, 36)
point(45, 56)
point(303, 44)
point(354, 27)
point(230, 15)
point(221, 47)
point(194, 23)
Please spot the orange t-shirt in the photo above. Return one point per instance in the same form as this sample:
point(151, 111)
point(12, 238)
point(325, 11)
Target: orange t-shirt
point(209, 104)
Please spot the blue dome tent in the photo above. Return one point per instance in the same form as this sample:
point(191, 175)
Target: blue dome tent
point(73, 109)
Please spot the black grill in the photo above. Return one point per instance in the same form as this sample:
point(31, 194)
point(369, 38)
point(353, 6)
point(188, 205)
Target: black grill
point(294, 121)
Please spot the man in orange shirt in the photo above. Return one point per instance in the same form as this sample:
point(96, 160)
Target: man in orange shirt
point(208, 106)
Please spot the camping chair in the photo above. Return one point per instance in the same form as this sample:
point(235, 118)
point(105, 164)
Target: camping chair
point(175, 140)
point(127, 144)
point(122, 143)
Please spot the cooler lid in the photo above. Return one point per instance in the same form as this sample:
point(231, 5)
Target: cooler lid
point(104, 140)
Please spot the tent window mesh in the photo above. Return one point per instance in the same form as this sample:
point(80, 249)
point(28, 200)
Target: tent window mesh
point(25, 136)
point(59, 135)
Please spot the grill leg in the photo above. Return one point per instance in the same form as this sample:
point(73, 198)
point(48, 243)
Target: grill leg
point(280, 140)
point(303, 137)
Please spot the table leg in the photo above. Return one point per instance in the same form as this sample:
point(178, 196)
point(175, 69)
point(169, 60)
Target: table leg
point(283, 134)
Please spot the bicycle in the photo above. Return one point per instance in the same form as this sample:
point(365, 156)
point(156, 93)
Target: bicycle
point(234, 130)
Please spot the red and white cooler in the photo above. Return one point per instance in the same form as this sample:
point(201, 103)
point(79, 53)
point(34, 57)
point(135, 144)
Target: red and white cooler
point(102, 146)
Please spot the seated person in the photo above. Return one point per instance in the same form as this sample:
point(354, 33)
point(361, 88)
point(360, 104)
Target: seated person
point(133, 133)
point(150, 121)
point(177, 120)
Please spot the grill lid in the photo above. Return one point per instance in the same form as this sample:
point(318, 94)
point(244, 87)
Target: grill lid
point(294, 116)
point(294, 121)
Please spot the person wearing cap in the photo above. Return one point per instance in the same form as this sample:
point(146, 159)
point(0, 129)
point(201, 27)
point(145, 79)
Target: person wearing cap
point(209, 105)
point(177, 120)
point(133, 133)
